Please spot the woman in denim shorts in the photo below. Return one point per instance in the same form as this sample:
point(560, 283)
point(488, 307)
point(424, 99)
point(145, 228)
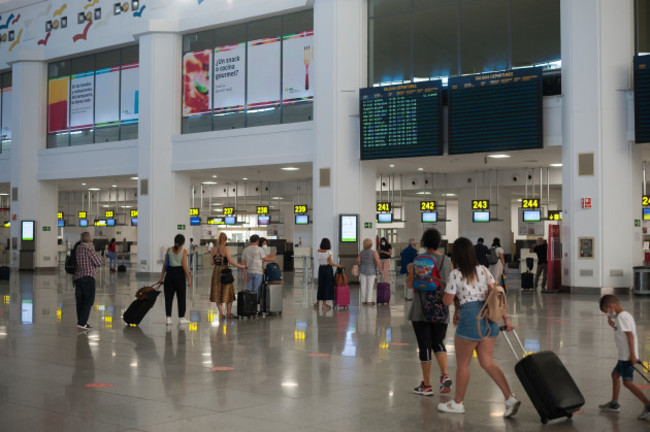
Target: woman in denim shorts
point(467, 288)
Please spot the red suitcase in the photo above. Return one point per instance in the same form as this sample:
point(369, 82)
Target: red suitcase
point(383, 293)
point(341, 296)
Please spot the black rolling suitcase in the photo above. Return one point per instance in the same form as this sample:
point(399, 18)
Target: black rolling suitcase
point(145, 298)
point(548, 383)
point(246, 304)
point(527, 280)
point(5, 271)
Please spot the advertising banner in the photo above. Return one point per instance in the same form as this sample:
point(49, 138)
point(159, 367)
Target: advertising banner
point(197, 94)
point(229, 77)
point(6, 113)
point(263, 73)
point(107, 97)
point(129, 94)
point(57, 104)
point(82, 91)
point(297, 67)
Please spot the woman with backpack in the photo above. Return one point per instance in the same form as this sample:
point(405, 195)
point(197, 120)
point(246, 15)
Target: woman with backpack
point(223, 292)
point(468, 287)
point(430, 327)
point(174, 273)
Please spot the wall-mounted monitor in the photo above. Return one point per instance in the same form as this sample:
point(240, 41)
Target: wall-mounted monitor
point(384, 217)
point(230, 220)
point(83, 222)
point(61, 223)
point(134, 221)
point(263, 219)
point(481, 216)
point(195, 221)
point(348, 228)
point(429, 217)
point(110, 222)
point(27, 229)
point(532, 215)
point(302, 219)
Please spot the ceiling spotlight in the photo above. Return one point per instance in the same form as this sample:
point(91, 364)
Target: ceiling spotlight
point(423, 193)
point(449, 194)
point(93, 189)
point(83, 184)
point(277, 198)
point(113, 185)
point(289, 169)
point(209, 183)
point(125, 206)
point(556, 165)
point(245, 178)
point(214, 176)
point(391, 166)
point(420, 169)
point(499, 156)
point(134, 178)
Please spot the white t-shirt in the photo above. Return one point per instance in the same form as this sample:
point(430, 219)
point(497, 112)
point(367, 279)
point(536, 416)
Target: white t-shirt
point(625, 323)
point(253, 256)
point(457, 285)
point(322, 257)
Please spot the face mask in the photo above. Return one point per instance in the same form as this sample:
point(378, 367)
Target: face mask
point(266, 248)
point(611, 316)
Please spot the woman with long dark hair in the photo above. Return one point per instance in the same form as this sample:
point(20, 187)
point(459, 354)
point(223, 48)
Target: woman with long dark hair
point(174, 273)
point(219, 292)
point(468, 287)
point(325, 274)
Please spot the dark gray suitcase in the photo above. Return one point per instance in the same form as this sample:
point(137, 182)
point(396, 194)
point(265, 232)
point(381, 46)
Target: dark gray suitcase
point(527, 280)
point(548, 383)
point(246, 304)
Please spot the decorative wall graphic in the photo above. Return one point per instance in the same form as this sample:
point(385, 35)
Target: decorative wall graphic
point(89, 5)
point(17, 41)
point(98, 14)
point(11, 35)
point(44, 41)
point(48, 26)
point(138, 13)
point(6, 25)
point(64, 22)
point(3, 37)
point(83, 34)
point(15, 20)
point(60, 10)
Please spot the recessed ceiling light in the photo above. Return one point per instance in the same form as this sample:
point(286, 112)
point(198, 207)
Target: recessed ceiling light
point(556, 165)
point(215, 204)
point(420, 169)
point(499, 156)
point(289, 169)
point(245, 178)
point(391, 166)
point(93, 189)
point(289, 384)
point(209, 183)
point(214, 176)
point(113, 185)
point(449, 194)
point(4, 194)
point(134, 178)
point(126, 206)
point(106, 206)
point(519, 200)
point(423, 193)
point(277, 198)
point(83, 184)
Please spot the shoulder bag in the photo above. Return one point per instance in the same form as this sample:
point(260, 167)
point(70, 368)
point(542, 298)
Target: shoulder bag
point(495, 307)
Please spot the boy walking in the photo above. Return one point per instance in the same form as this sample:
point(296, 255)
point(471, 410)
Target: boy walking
point(628, 351)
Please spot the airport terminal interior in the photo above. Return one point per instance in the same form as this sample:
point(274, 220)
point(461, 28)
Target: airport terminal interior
point(299, 120)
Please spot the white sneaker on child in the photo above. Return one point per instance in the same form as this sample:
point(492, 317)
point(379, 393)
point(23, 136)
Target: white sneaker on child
point(452, 407)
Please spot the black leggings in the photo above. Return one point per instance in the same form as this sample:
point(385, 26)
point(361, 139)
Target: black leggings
point(431, 337)
point(175, 283)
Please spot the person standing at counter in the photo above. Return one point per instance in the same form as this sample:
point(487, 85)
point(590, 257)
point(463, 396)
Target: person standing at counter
point(482, 252)
point(253, 258)
point(497, 268)
point(408, 254)
point(111, 250)
point(541, 249)
point(385, 254)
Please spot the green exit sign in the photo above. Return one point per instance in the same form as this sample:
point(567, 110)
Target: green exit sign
point(637, 222)
point(367, 224)
point(46, 228)
point(180, 227)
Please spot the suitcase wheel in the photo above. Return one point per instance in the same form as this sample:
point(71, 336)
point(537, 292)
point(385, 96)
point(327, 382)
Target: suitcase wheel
point(544, 420)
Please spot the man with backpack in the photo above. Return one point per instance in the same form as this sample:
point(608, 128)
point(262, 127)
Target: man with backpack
point(427, 275)
point(86, 263)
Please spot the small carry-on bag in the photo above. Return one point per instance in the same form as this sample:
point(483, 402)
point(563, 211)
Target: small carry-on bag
point(246, 304)
point(272, 298)
point(342, 296)
point(273, 274)
point(383, 293)
point(145, 298)
point(527, 280)
point(548, 383)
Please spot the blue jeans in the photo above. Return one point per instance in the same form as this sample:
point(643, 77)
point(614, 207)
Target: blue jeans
point(84, 293)
point(111, 259)
point(254, 283)
point(467, 327)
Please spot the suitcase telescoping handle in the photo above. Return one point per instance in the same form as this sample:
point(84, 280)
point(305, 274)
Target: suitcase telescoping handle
point(644, 368)
point(505, 335)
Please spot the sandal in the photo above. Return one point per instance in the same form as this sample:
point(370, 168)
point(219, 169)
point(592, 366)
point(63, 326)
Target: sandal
point(222, 317)
point(326, 307)
point(316, 305)
point(231, 316)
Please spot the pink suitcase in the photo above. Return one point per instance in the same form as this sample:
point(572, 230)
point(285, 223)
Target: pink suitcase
point(383, 293)
point(342, 296)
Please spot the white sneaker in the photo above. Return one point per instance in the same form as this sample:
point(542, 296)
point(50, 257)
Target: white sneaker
point(452, 407)
point(168, 321)
point(512, 406)
point(183, 321)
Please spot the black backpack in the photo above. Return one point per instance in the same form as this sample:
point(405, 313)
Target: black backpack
point(493, 257)
point(71, 260)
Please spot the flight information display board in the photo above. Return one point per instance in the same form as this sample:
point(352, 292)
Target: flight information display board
point(496, 112)
point(642, 99)
point(401, 120)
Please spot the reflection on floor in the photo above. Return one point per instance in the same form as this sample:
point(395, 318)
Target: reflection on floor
point(302, 371)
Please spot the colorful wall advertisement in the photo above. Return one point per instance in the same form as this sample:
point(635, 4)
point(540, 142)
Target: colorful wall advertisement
point(82, 94)
point(107, 96)
point(6, 114)
point(197, 94)
point(229, 77)
point(129, 94)
point(263, 73)
point(57, 108)
point(297, 67)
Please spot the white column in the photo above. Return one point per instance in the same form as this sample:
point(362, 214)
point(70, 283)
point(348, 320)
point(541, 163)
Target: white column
point(37, 200)
point(339, 30)
point(597, 52)
point(164, 203)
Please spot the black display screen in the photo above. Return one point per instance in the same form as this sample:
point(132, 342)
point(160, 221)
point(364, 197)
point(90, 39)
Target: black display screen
point(401, 120)
point(496, 112)
point(642, 99)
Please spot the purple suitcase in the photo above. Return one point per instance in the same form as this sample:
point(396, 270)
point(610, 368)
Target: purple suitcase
point(342, 296)
point(383, 293)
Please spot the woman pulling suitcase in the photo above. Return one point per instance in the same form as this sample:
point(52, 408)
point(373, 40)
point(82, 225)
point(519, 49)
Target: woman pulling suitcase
point(174, 273)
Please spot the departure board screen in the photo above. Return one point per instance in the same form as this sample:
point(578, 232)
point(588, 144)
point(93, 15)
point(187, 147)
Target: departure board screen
point(401, 121)
point(496, 111)
point(642, 99)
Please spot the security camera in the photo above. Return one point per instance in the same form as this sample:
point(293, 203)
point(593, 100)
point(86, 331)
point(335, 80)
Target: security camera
point(530, 177)
point(515, 179)
point(413, 182)
point(469, 179)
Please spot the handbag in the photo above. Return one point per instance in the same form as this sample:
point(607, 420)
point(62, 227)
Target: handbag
point(494, 308)
point(227, 276)
point(355, 270)
point(340, 279)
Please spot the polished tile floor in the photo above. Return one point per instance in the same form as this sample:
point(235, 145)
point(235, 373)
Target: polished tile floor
point(302, 371)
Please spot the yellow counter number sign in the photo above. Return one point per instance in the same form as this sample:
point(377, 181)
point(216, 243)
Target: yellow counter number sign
point(300, 209)
point(194, 212)
point(645, 200)
point(554, 215)
point(383, 207)
point(480, 204)
point(262, 210)
point(134, 213)
point(228, 211)
point(530, 203)
point(427, 205)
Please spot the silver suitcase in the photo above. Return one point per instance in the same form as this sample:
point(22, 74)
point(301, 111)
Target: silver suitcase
point(273, 298)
